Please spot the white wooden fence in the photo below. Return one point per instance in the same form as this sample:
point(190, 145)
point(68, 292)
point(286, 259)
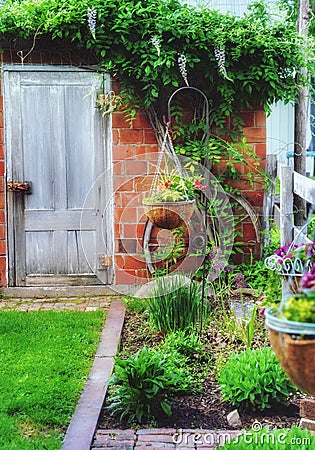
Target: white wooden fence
point(283, 214)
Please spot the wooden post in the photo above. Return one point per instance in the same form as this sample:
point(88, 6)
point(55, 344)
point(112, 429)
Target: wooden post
point(286, 205)
point(269, 197)
point(286, 213)
point(300, 117)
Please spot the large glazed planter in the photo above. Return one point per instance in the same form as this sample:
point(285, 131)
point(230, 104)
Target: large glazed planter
point(169, 215)
point(294, 345)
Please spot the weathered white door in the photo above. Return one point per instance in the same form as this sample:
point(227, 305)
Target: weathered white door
point(60, 232)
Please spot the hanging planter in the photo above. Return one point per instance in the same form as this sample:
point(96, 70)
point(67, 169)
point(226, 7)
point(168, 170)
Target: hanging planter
point(292, 334)
point(292, 262)
point(169, 215)
point(171, 199)
point(294, 345)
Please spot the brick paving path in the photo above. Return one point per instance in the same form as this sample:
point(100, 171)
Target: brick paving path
point(57, 304)
point(166, 438)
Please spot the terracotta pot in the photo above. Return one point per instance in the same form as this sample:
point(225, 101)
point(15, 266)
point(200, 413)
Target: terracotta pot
point(169, 215)
point(295, 350)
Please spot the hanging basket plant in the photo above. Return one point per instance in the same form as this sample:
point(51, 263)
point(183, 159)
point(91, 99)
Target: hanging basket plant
point(172, 197)
point(169, 215)
point(292, 334)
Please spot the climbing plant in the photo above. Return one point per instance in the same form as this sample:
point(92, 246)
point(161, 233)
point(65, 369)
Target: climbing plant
point(156, 46)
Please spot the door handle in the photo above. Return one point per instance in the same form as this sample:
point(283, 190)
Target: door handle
point(20, 186)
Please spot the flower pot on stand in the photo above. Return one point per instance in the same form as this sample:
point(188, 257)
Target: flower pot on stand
point(169, 215)
point(294, 345)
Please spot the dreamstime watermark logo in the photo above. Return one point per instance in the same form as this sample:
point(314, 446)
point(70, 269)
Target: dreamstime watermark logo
point(257, 435)
point(135, 237)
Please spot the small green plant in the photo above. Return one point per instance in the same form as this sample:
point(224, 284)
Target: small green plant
point(248, 327)
point(176, 304)
point(255, 380)
point(266, 439)
point(184, 342)
point(144, 385)
point(134, 304)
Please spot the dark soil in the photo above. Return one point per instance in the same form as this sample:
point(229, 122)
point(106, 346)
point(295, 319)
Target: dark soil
point(204, 409)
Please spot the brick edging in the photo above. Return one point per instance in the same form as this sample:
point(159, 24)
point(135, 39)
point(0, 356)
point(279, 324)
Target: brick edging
point(80, 433)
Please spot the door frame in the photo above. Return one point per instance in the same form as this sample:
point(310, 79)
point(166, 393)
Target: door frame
point(16, 257)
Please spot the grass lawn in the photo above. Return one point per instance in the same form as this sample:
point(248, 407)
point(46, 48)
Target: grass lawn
point(45, 358)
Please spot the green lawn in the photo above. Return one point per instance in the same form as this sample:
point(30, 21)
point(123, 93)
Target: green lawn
point(45, 358)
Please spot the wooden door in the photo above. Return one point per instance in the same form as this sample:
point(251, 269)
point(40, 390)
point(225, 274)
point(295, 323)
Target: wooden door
point(60, 232)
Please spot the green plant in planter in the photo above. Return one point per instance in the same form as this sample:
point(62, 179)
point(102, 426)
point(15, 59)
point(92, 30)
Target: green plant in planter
point(255, 380)
point(144, 385)
point(172, 187)
point(300, 307)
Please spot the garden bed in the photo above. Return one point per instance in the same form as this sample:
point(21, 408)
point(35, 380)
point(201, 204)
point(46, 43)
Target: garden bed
point(204, 409)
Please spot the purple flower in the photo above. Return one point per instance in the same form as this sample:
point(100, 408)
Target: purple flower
point(308, 279)
point(239, 280)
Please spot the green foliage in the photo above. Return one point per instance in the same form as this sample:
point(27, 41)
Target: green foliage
point(176, 304)
point(45, 359)
point(248, 327)
point(273, 291)
point(184, 342)
point(142, 41)
point(277, 439)
point(137, 305)
point(172, 187)
point(256, 274)
point(255, 380)
point(144, 384)
point(299, 308)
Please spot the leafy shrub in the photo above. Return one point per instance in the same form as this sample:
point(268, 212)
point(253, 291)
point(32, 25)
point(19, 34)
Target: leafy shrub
point(254, 379)
point(266, 439)
point(145, 383)
point(175, 305)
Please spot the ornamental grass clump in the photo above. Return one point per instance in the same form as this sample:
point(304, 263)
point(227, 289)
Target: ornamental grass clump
point(255, 380)
point(176, 304)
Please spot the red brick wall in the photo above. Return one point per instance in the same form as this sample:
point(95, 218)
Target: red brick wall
point(134, 153)
point(255, 133)
point(134, 149)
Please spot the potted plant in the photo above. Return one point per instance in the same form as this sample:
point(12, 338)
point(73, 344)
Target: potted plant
point(292, 261)
point(292, 334)
point(172, 201)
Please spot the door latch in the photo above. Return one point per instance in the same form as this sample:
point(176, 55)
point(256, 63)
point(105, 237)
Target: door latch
point(20, 186)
